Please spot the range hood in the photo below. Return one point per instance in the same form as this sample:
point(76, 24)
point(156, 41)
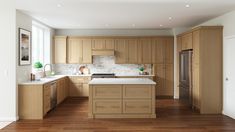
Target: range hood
point(103, 52)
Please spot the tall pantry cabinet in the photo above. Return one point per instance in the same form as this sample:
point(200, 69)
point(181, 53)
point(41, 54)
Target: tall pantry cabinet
point(163, 59)
point(207, 68)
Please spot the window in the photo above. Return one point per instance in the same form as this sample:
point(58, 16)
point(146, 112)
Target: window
point(40, 43)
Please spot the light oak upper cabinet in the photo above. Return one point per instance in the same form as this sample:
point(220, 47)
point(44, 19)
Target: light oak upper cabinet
point(59, 48)
point(158, 50)
point(146, 50)
point(103, 44)
point(187, 41)
point(121, 51)
point(132, 51)
point(74, 50)
point(169, 50)
point(86, 51)
point(79, 50)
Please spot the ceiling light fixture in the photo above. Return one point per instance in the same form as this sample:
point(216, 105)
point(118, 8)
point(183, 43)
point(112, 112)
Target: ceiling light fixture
point(187, 5)
point(59, 5)
point(133, 25)
point(160, 25)
point(170, 18)
point(106, 25)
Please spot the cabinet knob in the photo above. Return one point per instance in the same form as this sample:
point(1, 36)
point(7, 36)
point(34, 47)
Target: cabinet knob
point(226, 79)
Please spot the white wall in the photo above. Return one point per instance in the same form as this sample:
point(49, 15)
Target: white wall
point(22, 21)
point(114, 32)
point(8, 108)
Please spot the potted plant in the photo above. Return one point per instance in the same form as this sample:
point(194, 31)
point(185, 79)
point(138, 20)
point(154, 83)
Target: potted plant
point(141, 70)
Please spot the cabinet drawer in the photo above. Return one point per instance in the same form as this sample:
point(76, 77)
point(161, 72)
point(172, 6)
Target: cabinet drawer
point(86, 80)
point(107, 106)
point(137, 106)
point(107, 91)
point(76, 79)
point(137, 91)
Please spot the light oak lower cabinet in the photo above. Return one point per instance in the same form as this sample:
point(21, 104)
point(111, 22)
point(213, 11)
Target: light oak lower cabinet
point(122, 101)
point(78, 86)
point(62, 89)
point(34, 99)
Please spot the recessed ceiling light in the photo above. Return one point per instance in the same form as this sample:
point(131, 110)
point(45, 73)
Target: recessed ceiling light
point(59, 5)
point(170, 18)
point(160, 25)
point(106, 25)
point(187, 5)
point(133, 25)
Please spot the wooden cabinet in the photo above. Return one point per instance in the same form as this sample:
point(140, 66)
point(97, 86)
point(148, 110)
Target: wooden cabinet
point(164, 65)
point(121, 51)
point(79, 50)
point(74, 50)
point(163, 50)
point(103, 44)
point(146, 50)
point(46, 98)
point(86, 51)
point(132, 51)
point(125, 101)
point(187, 41)
point(60, 48)
point(62, 90)
point(78, 86)
point(206, 67)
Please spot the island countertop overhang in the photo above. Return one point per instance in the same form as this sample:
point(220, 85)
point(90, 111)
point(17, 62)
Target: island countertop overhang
point(97, 81)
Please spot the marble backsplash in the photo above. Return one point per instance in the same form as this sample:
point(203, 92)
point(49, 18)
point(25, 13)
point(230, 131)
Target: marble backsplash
point(103, 64)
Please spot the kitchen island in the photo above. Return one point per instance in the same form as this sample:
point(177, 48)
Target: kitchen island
point(121, 98)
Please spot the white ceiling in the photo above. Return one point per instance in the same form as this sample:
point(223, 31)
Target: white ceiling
point(123, 14)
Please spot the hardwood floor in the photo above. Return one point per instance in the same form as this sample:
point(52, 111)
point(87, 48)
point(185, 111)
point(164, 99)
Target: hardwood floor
point(172, 116)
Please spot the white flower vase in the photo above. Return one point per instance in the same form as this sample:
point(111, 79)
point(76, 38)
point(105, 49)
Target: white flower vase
point(39, 74)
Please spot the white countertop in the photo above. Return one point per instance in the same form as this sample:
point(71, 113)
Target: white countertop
point(56, 77)
point(121, 81)
point(43, 80)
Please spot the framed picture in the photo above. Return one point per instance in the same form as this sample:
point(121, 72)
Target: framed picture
point(24, 47)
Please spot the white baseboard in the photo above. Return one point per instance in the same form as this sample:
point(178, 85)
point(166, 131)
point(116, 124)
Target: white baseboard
point(3, 119)
point(231, 116)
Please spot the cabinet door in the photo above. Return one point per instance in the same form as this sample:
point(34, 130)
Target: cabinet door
point(85, 90)
point(98, 44)
point(86, 51)
point(187, 41)
point(107, 106)
point(137, 106)
point(109, 44)
point(60, 49)
point(75, 90)
point(121, 51)
point(74, 50)
point(158, 50)
point(169, 51)
point(146, 45)
point(132, 51)
point(169, 80)
point(46, 98)
point(160, 79)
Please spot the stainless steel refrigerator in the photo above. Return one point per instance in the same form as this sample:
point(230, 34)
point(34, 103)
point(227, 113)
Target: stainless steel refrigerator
point(185, 76)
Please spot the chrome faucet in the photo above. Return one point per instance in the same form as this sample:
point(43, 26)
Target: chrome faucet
point(44, 69)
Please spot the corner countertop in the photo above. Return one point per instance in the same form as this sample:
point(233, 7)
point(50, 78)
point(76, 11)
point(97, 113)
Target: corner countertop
point(43, 80)
point(121, 81)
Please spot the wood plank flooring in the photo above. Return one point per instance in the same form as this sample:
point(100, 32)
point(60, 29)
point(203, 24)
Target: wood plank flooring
point(172, 116)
